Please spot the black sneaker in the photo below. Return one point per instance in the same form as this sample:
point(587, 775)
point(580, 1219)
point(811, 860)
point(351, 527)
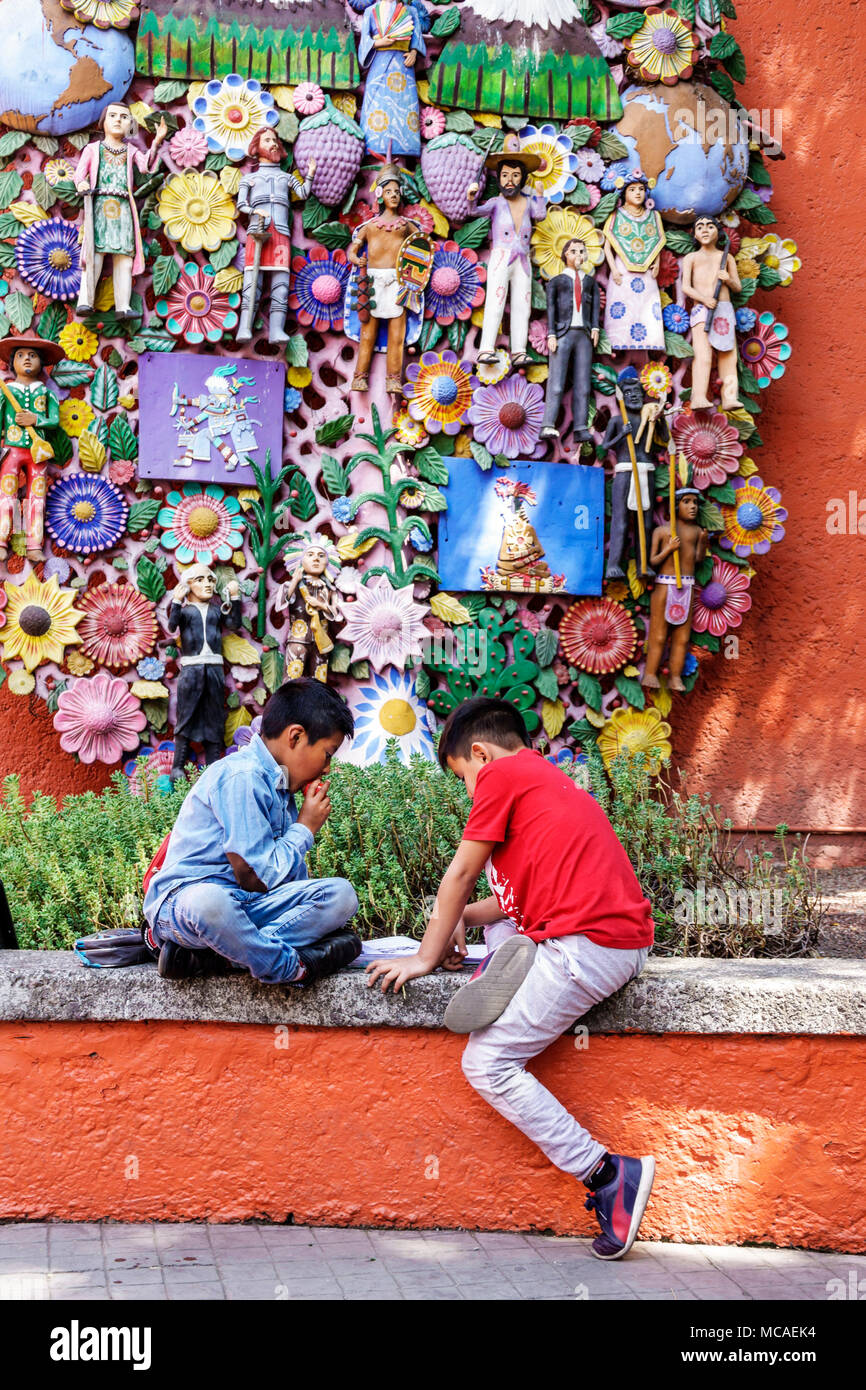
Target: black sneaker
point(327, 956)
point(182, 963)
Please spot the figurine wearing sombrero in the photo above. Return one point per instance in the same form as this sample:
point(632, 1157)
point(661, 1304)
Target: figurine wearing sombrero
point(27, 407)
point(634, 239)
point(512, 213)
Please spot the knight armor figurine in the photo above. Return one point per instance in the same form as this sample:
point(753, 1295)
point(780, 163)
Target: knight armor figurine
point(265, 196)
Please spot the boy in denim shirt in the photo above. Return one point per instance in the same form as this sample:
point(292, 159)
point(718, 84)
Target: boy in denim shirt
point(234, 879)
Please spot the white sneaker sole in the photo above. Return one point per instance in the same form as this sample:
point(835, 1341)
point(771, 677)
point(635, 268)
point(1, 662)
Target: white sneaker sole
point(648, 1173)
point(480, 1002)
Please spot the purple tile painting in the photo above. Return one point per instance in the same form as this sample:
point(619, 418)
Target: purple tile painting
point(203, 418)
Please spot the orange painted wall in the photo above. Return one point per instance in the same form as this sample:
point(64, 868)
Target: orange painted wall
point(780, 733)
point(756, 1138)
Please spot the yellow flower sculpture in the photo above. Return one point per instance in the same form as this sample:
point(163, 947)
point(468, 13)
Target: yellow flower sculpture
point(558, 227)
point(197, 211)
point(633, 731)
point(78, 342)
point(75, 416)
point(40, 621)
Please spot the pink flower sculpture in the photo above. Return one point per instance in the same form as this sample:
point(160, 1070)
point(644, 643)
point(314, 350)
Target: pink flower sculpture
point(188, 147)
point(423, 216)
point(507, 417)
point(711, 446)
point(722, 603)
point(384, 625)
point(99, 719)
point(432, 122)
point(194, 310)
point(538, 337)
point(121, 471)
point(308, 98)
point(119, 625)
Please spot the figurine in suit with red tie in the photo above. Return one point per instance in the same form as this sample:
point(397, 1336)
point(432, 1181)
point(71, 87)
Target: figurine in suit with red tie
point(572, 319)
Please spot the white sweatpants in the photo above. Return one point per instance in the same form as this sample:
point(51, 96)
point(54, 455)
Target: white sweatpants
point(500, 277)
point(569, 975)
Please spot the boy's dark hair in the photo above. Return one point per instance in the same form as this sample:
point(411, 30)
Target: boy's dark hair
point(481, 721)
point(310, 703)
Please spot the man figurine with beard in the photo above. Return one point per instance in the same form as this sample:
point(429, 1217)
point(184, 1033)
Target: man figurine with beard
point(382, 237)
point(265, 195)
point(512, 214)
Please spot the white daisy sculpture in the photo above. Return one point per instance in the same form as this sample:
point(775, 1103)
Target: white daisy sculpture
point(384, 625)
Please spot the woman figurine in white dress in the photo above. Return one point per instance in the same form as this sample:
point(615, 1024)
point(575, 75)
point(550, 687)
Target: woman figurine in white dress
point(633, 242)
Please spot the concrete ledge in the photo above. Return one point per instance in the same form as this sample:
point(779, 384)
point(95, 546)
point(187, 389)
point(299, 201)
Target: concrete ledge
point(672, 996)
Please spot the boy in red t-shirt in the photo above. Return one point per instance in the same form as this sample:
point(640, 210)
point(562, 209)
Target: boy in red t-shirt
point(577, 928)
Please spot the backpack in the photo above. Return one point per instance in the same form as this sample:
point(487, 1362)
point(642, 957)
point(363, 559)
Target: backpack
point(128, 945)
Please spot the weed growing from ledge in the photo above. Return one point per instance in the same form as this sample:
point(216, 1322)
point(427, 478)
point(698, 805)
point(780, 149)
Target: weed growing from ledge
point(74, 869)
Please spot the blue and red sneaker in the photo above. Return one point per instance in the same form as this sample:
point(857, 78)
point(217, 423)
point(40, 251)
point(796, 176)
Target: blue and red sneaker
point(620, 1205)
point(491, 989)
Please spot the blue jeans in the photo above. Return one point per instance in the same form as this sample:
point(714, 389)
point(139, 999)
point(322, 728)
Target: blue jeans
point(259, 931)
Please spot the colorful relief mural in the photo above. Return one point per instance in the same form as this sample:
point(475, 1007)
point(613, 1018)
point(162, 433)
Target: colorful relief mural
point(420, 348)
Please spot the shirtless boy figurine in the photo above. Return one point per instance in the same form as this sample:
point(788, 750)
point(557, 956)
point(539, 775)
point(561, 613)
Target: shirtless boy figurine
point(383, 236)
point(712, 319)
point(670, 605)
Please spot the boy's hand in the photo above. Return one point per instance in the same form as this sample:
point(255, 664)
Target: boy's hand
point(396, 972)
point(316, 807)
point(455, 952)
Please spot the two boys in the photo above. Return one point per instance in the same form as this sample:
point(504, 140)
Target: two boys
point(567, 927)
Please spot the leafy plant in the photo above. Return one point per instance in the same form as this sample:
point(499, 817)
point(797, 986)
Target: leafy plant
point(77, 868)
point(264, 512)
point(384, 455)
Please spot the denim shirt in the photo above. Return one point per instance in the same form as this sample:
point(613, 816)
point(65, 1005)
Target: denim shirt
point(241, 804)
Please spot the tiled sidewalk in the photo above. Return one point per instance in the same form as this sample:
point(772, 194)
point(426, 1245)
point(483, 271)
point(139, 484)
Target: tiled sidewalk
point(298, 1262)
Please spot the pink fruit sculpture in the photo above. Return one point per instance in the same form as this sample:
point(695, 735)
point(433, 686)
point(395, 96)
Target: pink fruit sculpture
point(336, 143)
point(450, 163)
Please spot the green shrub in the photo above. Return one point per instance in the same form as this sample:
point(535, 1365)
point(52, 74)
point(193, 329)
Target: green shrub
point(75, 869)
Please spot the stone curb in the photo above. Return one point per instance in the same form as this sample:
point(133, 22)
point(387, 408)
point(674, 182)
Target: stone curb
point(671, 996)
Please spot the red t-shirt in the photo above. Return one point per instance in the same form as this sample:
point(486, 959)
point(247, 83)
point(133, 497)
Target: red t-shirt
point(558, 868)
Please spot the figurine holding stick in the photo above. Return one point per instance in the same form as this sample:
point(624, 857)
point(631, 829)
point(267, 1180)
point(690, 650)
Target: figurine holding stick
point(26, 407)
point(265, 195)
point(676, 557)
point(310, 600)
point(104, 176)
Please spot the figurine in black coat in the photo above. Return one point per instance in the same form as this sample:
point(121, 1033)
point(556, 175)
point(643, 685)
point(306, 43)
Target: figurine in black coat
point(199, 619)
point(572, 333)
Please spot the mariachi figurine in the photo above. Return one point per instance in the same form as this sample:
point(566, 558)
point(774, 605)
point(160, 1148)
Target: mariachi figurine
point(671, 602)
point(27, 407)
point(513, 212)
point(631, 434)
point(634, 239)
point(572, 333)
point(381, 295)
point(392, 40)
point(310, 598)
point(265, 195)
point(201, 685)
point(104, 175)
point(708, 279)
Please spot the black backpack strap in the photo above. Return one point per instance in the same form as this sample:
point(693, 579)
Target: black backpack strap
point(8, 938)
